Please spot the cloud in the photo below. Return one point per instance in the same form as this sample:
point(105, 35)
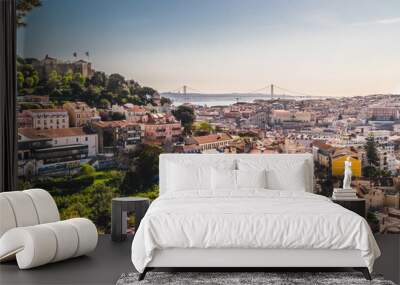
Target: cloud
point(387, 21)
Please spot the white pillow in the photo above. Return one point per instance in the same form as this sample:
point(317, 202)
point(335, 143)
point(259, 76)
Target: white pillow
point(223, 179)
point(282, 174)
point(288, 176)
point(251, 178)
point(184, 178)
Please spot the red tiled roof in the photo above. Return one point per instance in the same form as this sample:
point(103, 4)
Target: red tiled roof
point(212, 138)
point(51, 133)
point(112, 124)
point(322, 145)
point(345, 152)
point(46, 110)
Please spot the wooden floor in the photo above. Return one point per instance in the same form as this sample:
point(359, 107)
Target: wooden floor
point(110, 260)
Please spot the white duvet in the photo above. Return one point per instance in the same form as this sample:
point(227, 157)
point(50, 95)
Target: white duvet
point(250, 219)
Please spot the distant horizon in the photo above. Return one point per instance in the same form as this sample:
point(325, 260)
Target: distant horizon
point(323, 48)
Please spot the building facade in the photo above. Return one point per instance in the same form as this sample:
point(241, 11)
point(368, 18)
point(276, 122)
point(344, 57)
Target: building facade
point(80, 113)
point(44, 118)
point(54, 151)
point(118, 135)
point(213, 141)
point(49, 64)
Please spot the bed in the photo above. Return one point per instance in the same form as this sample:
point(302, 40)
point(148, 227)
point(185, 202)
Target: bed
point(243, 211)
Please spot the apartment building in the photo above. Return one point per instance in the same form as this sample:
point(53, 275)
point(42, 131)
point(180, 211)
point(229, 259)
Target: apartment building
point(80, 113)
point(161, 128)
point(44, 119)
point(282, 116)
point(118, 135)
point(213, 141)
point(383, 113)
point(54, 151)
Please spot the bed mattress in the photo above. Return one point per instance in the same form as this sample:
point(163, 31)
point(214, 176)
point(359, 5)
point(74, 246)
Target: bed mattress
point(250, 219)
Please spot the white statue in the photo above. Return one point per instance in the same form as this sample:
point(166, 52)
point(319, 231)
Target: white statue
point(347, 174)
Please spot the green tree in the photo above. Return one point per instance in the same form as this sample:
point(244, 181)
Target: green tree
point(115, 82)
point(165, 100)
point(370, 148)
point(104, 103)
point(186, 115)
point(20, 79)
point(67, 78)
point(203, 128)
point(99, 78)
point(116, 116)
point(100, 205)
point(370, 172)
point(54, 81)
point(23, 7)
point(87, 169)
point(27, 78)
point(143, 170)
point(78, 78)
point(93, 95)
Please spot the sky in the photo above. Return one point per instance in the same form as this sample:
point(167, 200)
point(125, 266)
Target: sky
point(318, 47)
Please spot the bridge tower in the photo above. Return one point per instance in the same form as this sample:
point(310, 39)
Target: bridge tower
point(272, 91)
point(185, 94)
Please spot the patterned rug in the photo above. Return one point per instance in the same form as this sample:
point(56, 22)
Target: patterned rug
point(244, 278)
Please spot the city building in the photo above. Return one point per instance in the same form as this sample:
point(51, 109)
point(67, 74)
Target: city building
point(387, 158)
point(38, 99)
point(49, 64)
point(134, 113)
point(24, 120)
point(383, 112)
point(213, 141)
point(260, 119)
point(161, 128)
point(54, 151)
point(322, 153)
point(80, 113)
point(44, 118)
point(62, 137)
point(114, 135)
point(339, 156)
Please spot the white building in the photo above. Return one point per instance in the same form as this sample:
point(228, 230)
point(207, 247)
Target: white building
point(387, 158)
point(62, 137)
point(48, 118)
point(280, 116)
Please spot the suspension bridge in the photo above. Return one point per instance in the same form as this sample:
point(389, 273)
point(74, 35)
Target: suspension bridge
point(270, 91)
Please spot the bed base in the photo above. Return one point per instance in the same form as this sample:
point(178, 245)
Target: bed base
point(242, 259)
point(363, 270)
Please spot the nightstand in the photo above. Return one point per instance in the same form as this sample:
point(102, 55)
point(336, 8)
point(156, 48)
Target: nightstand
point(356, 205)
point(119, 214)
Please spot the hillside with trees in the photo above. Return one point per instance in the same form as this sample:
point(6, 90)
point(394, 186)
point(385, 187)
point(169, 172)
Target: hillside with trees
point(100, 90)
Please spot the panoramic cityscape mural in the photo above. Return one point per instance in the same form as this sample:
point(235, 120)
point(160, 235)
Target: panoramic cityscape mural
point(100, 98)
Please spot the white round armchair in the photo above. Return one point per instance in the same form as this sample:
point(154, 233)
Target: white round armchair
point(31, 230)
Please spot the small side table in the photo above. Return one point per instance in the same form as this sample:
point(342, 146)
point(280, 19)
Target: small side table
point(119, 213)
point(356, 205)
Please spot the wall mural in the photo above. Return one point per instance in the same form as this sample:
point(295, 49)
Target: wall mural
point(104, 87)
